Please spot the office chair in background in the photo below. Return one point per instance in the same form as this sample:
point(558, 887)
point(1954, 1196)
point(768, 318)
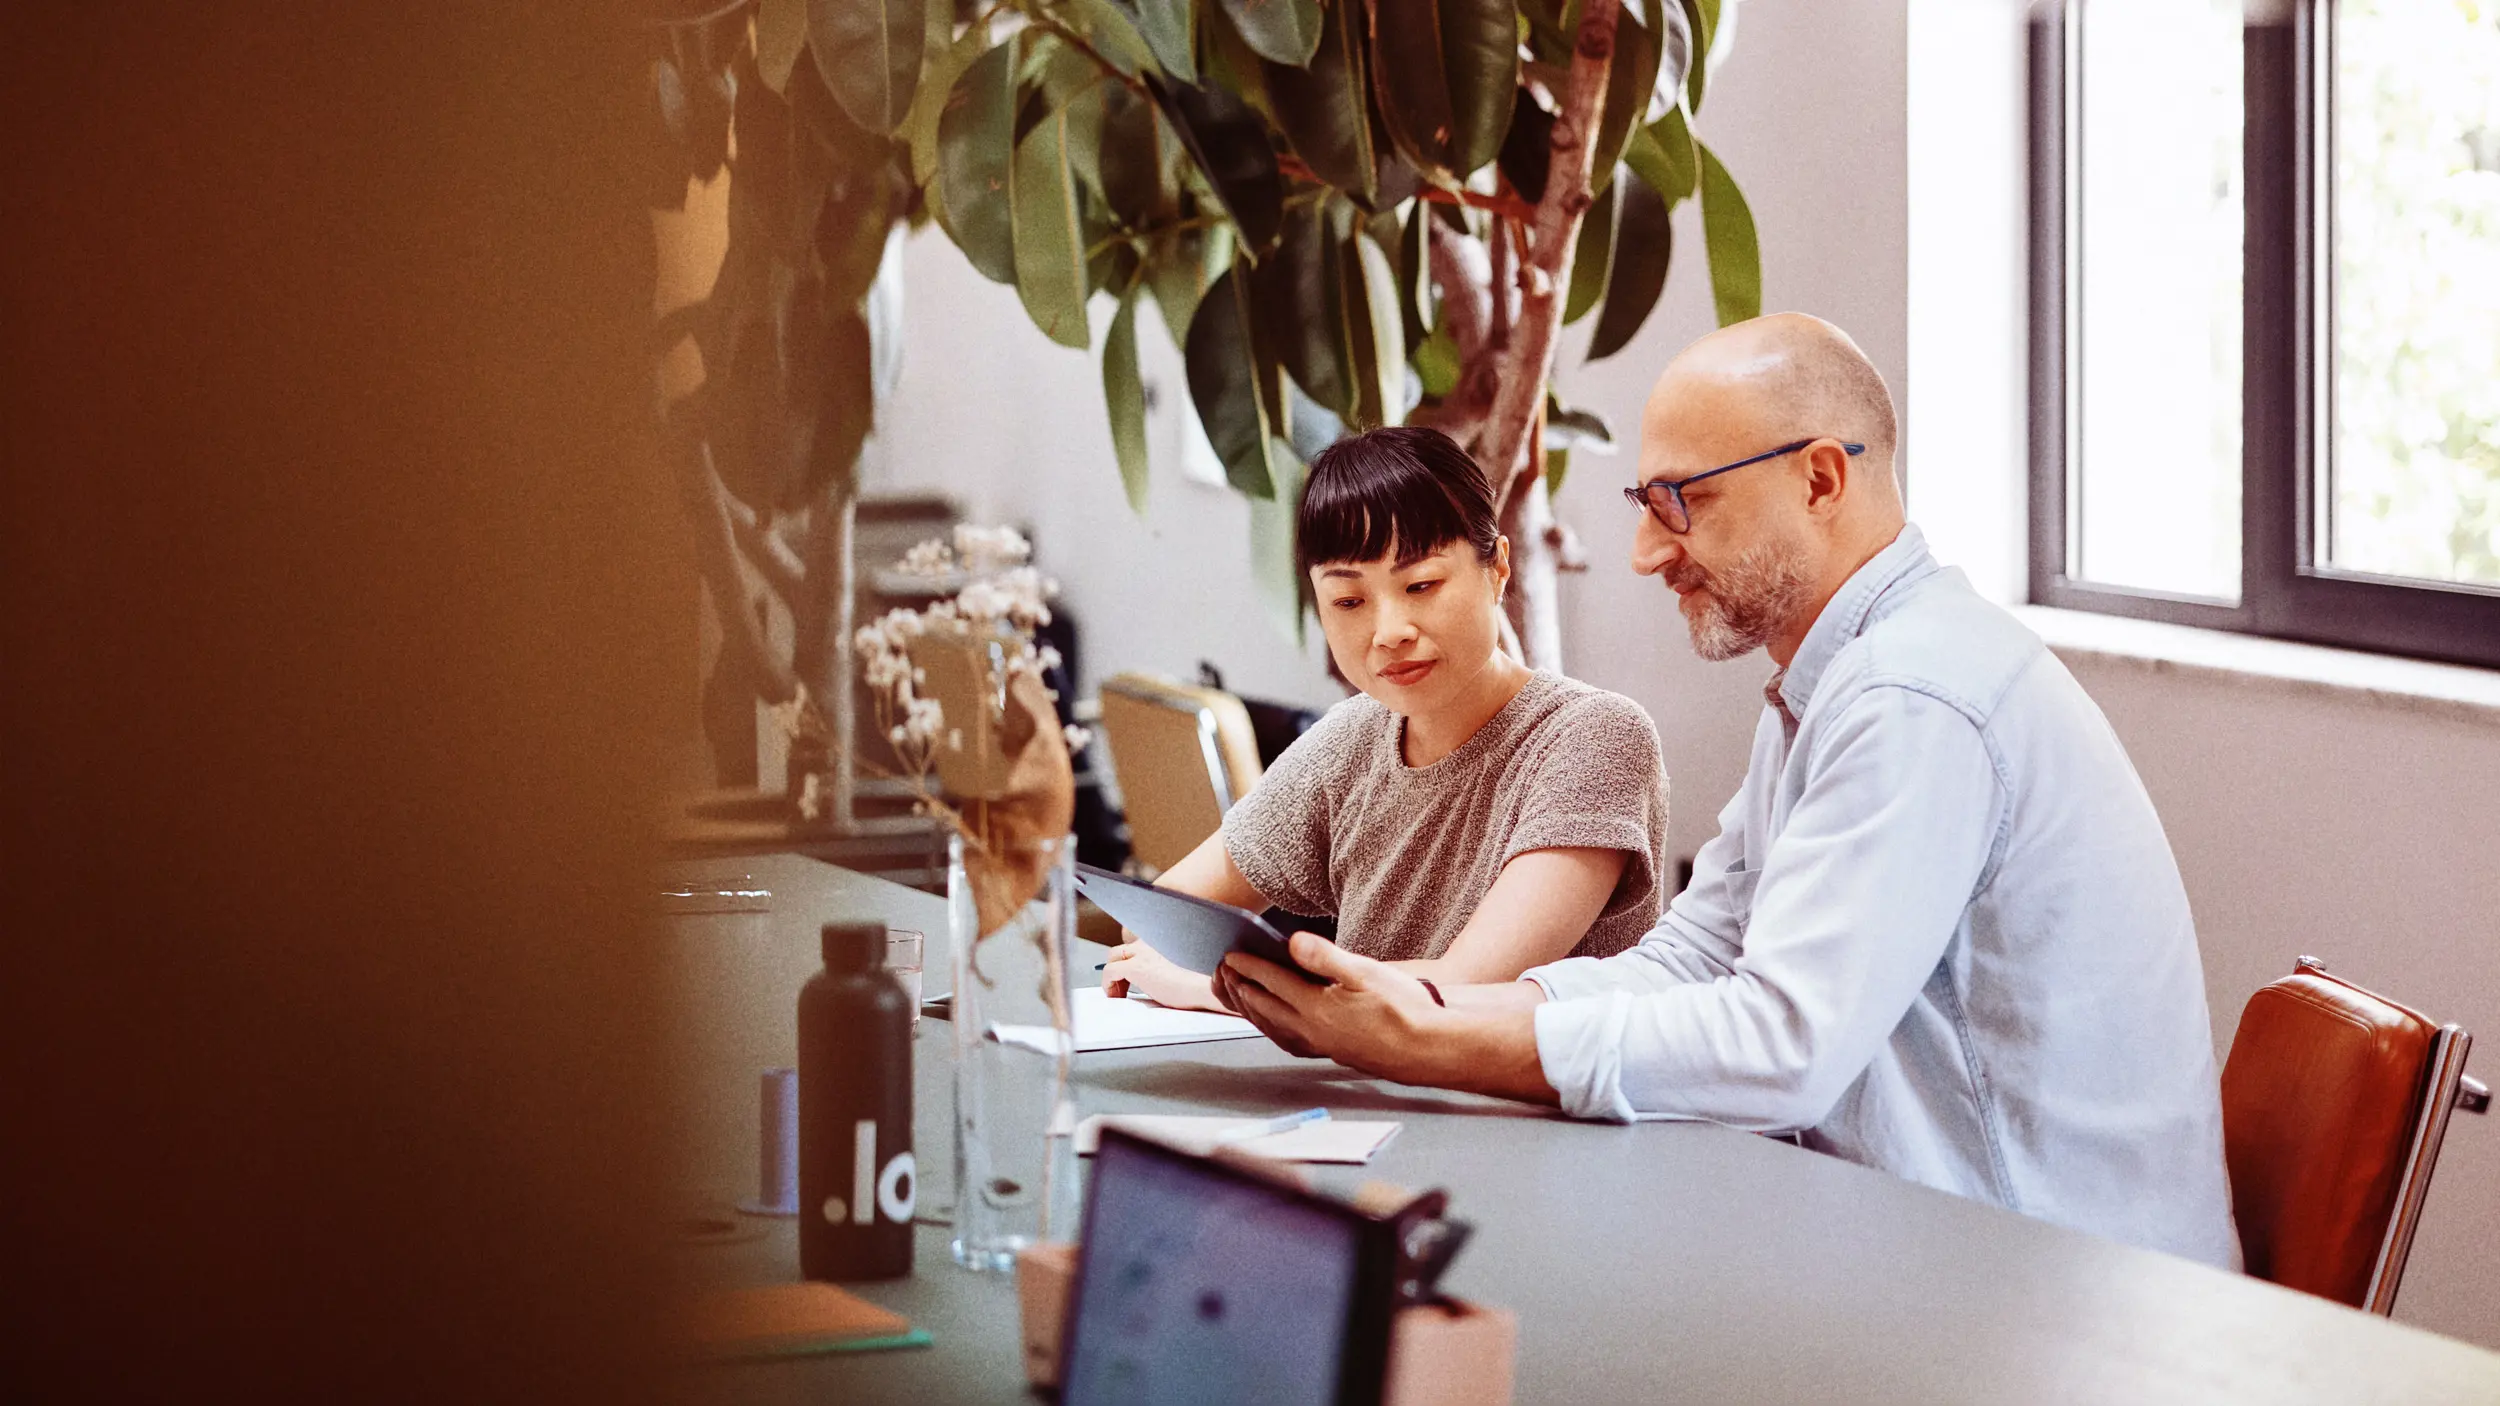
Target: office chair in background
point(2335, 1100)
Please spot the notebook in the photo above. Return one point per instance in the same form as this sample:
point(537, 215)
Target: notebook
point(791, 1320)
point(1124, 1023)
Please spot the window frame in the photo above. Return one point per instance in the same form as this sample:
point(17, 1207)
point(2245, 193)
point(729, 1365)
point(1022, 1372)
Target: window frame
point(2287, 590)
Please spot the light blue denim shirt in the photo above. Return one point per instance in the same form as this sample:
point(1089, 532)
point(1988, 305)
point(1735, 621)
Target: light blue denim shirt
point(1940, 932)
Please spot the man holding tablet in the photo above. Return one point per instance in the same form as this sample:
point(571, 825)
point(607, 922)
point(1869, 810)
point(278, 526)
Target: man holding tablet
point(1940, 931)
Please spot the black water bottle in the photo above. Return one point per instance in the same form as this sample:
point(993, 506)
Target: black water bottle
point(857, 1181)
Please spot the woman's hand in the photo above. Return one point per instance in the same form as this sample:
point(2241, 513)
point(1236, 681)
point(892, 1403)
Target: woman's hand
point(1136, 967)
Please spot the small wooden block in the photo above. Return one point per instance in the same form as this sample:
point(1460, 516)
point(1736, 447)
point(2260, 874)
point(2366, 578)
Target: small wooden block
point(1043, 1274)
point(1451, 1354)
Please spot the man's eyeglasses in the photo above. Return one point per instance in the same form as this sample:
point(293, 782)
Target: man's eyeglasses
point(1665, 497)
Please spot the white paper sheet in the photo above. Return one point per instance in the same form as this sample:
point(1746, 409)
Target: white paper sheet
point(1329, 1141)
point(1121, 1023)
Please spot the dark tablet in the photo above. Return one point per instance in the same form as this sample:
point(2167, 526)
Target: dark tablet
point(1204, 1281)
point(1192, 932)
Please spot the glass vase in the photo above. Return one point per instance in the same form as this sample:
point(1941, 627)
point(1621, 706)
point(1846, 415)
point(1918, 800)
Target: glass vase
point(1015, 1157)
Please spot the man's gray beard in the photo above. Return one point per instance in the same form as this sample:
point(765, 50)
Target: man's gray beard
point(1750, 598)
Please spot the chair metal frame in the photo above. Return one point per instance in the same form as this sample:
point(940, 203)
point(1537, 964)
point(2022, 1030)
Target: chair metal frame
point(1171, 697)
point(2446, 1088)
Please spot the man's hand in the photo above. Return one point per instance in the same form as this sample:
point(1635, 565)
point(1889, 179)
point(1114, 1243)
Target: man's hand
point(1371, 1019)
point(1381, 1021)
point(1135, 966)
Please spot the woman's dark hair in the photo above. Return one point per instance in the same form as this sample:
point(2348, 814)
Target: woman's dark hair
point(1407, 489)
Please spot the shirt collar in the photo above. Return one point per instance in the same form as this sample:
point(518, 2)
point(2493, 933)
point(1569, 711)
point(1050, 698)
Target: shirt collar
point(1847, 615)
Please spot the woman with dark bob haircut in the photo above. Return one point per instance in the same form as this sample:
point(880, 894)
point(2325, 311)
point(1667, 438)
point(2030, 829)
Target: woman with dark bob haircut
point(1464, 816)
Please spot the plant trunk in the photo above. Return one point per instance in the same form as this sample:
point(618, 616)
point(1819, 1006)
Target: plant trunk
point(747, 668)
point(1505, 337)
point(1535, 601)
point(822, 620)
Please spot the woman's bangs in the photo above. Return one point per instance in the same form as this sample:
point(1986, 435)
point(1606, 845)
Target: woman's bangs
point(1361, 507)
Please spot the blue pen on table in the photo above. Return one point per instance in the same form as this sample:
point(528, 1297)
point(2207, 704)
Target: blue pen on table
point(1282, 1123)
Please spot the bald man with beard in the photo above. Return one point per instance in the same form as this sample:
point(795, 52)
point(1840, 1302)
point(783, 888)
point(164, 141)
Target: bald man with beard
point(1940, 931)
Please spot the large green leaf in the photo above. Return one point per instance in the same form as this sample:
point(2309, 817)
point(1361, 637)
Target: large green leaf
point(1436, 362)
point(1703, 17)
point(1325, 109)
point(1282, 588)
point(1225, 367)
point(1124, 396)
point(846, 407)
point(1557, 464)
point(786, 409)
point(1727, 229)
point(1566, 426)
point(1415, 274)
point(1299, 300)
point(851, 244)
point(976, 148)
point(1180, 265)
point(1050, 73)
point(937, 86)
point(1050, 240)
point(1630, 79)
point(1113, 31)
point(1663, 153)
point(1280, 31)
point(1128, 166)
point(1447, 72)
point(1592, 254)
point(1229, 142)
point(1676, 57)
point(780, 32)
point(1171, 31)
point(1644, 242)
point(1528, 149)
point(1226, 61)
point(869, 52)
point(1378, 353)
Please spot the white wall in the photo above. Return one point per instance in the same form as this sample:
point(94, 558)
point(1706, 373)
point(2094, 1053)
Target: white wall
point(2304, 821)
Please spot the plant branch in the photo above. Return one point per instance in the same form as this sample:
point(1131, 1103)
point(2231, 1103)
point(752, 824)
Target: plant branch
point(716, 553)
point(1459, 266)
point(1035, 16)
point(1546, 269)
point(1504, 261)
point(1503, 203)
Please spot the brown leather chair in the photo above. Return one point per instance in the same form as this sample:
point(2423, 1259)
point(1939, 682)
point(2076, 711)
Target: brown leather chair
point(1182, 756)
point(2334, 1103)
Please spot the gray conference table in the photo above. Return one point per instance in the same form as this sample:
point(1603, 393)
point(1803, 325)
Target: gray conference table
point(1652, 1262)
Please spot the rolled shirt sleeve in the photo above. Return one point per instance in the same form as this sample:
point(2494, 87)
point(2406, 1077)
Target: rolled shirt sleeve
point(1855, 904)
point(1696, 939)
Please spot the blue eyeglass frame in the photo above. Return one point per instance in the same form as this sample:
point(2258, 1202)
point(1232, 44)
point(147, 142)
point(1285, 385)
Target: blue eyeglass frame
point(1645, 496)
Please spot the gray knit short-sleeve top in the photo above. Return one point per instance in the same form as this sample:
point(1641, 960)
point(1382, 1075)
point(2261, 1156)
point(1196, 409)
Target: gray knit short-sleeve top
point(1400, 856)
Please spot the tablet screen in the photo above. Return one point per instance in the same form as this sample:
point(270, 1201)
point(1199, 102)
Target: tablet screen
point(1204, 1287)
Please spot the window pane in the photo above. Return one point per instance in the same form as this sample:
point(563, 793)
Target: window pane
point(2416, 466)
point(2157, 305)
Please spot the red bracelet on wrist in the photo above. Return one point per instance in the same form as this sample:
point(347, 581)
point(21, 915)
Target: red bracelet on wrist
point(1434, 990)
